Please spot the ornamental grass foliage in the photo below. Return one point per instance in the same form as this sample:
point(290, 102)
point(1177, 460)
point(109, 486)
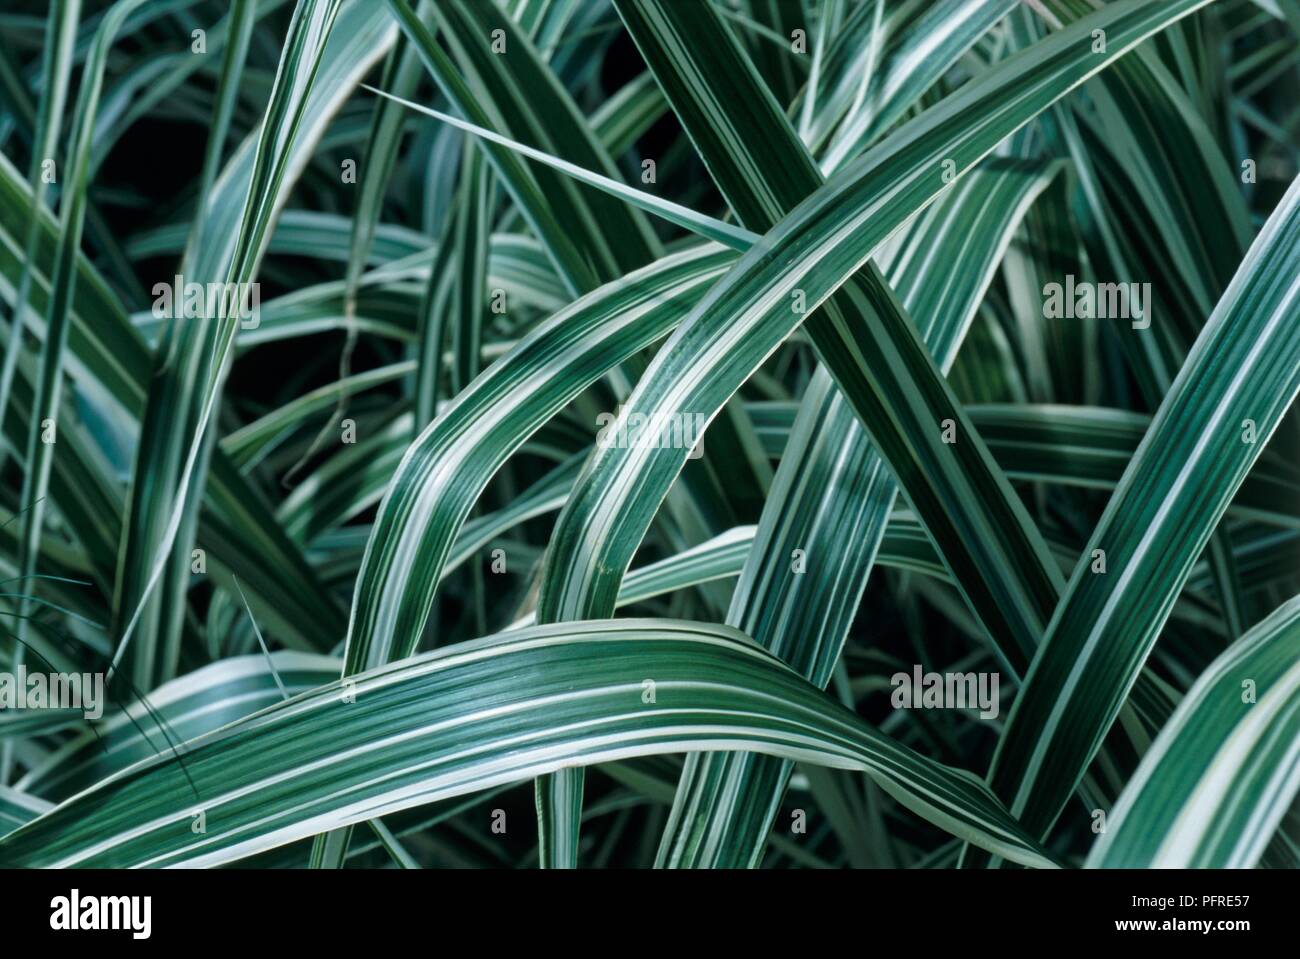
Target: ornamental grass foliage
point(674, 433)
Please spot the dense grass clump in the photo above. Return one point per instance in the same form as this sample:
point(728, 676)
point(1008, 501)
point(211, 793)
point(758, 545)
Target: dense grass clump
point(649, 432)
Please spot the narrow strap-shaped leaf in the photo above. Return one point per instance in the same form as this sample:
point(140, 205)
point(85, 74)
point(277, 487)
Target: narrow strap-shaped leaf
point(1179, 182)
point(532, 101)
point(1243, 716)
point(401, 74)
point(236, 526)
point(807, 256)
point(243, 14)
point(1244, 367)
point(445, 469)
point(60, 30)
point(523, 186)
point(155, 654)
point(604, 521)
point(736, 237)
point(189, 706)
point(188, 367)
point(109, 361)
point(798, 265)
point(199, 357)
point(450, 463)
point(831, 503)
point(468, 717)
point(456, 293)
point(42, 431)
point(509, 88)
point(913, 61)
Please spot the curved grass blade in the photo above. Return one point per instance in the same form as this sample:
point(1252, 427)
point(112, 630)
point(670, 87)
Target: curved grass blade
point(1244, 714)
point(175, 460)
point(191, 706)
point(811, 253)
point(832, 501)
point(472, 716)
point(450, 463)
point(445, 469)
point(913, 60)
point(1245, 366)
point(47, 400)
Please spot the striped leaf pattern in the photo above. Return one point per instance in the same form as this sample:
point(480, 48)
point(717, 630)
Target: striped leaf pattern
point(639, 396)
